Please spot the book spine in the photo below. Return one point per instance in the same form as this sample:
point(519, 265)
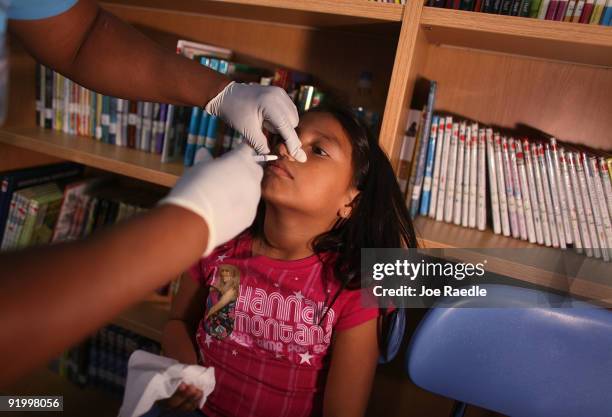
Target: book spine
point(506, 6)
point(132, 122)
point(211, 135)
point(407, 150)
point(493, 183)
point(533, 194)
point(550, 209)
point(472, 206)
point(514, 228)
point(159, 140)
point(606, 179)
point(31, 216)
point(552, 10)
point(113, 124)
point(154, 127)
point(571, 205)
point(417, 151)
point(93, 114)
point(466, 5)
point(606, 230)
point(524, 185)
point(192, 136)
point(561, 10)
point(578, 11)
point(138, 125)
point(39, 95)
point(606, 18)
point(105, 119)
point(21, 211)
point(556, 199)
point(585, 17)
point(581, 212)
point(416, 195)
point(120, 140)
point(539, 181)
point(565, 216)
point(597, 12)
point(571, 6)
point(501, 184)
point(169, 137)
point(9, 228)
point(465, 199)
point(201, 141)
point(457, 204)
point(525, 8)
point(600, 238)
point(449, 198)
point(444, 169)
point(48, 122)
point(435, 183)
point(431, 150)
point(58, 90)
point(86, 111)
point(518, 196)
point(438, 3)
point(481, 207)
point(66, 105)
point(145, 139)
point(515, 7)
point(543, 9)
point(478, 6)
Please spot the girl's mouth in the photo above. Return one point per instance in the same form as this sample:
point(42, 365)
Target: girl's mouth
point(279, 169)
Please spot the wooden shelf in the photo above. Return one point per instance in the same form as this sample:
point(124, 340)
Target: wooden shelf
point(147, 318)
point(564, 41)
point(544, 266)
point(312, 13)
point(130, 162)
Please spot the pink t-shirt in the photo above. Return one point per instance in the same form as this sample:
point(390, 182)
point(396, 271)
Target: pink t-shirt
point(269, 353)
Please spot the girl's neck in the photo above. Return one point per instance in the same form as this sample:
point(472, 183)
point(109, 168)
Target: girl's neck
point(288, 235)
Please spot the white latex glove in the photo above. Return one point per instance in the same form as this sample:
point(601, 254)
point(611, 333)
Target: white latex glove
point(224, 192)
point(246, 107)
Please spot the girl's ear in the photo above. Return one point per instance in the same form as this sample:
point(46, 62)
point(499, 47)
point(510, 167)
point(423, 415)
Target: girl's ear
point(345, 211)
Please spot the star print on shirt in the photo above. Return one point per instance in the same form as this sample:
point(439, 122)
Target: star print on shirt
point(305, 357)
point(234, 352)
point(298, 294)
point(221, 258)
point(208, 340)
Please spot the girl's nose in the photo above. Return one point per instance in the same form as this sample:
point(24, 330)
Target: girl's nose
point(283, 152)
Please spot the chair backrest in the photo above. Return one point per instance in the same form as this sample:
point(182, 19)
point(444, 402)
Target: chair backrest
point(518, 360)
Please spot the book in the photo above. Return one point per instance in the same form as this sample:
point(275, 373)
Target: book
point(606, 16)
point(510, 195)
point(544, 5)
point(525, 8)
point(413, 165)
point(518, 196)
point(114, 124)
point(132, 123)
point(599, 238)
point(571, 6)
point(581, 212)
point(192, 137)
point(420, 169)
point(571, 205)
point(597, 12)
point(565, 216)
point(552, 10)
point(427, 179)
point(535, 8)
point(443, 169)
point(436, 169)
point(605, 171)
point(551, 211)
point(481, 208)
point(556, 200)
point(465, 198)
point(561, 10)
point(44, 201)
point(501, 184)
point(451, 170)
point(48, 89)
point(12, 181)
point(168, 146)
point(578, 11)
point(473, 197)
point(406, 151)
point(543, 201)
point(161, 125)
point(605, 231)
point(494, 197)
point(526, 196)
point(587, 10)
point(533, 192)
point(457, 204)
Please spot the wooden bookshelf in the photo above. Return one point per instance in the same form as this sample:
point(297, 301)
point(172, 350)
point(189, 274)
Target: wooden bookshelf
point(520, 260)
point(146, 318)
point(313, 13)
point(129, 162)
point(564, 41)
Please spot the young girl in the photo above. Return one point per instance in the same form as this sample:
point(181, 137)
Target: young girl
point(301, 342)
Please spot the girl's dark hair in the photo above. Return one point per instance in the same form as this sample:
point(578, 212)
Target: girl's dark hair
point(379, 217)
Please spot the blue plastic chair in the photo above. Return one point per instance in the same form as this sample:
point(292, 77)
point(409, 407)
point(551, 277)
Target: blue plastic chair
point(519, 360)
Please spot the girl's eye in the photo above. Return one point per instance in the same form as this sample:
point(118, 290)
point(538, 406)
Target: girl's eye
point(319, 151)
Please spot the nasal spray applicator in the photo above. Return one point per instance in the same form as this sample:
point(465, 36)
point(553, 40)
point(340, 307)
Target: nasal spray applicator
point(265, 158)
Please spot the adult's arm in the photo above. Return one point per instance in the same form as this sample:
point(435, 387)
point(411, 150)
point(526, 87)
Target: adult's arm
point(98, 50)
point(51, 297)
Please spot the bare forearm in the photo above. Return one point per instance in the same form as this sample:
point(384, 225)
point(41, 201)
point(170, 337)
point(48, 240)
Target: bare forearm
point(54, 296)
point(101, 52)
point(178, 342)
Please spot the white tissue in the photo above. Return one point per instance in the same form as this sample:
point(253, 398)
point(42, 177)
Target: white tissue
point(152, 377)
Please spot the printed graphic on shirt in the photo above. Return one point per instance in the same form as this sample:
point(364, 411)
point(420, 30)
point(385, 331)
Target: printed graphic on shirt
point(267, 311)
point(221, 302)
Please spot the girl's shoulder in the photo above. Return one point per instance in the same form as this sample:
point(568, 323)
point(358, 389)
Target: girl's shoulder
point(237, 248)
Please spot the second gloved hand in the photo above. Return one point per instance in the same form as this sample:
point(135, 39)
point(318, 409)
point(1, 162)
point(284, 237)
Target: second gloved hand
point(225, 192)
point(245, 107)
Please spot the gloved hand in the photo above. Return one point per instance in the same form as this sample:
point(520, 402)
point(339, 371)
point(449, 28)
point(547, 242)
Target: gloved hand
point(224, 192)
point(245, 107)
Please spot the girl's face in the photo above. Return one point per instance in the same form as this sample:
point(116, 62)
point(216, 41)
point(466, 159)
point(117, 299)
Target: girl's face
point(321, 186)
point(226, 275)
